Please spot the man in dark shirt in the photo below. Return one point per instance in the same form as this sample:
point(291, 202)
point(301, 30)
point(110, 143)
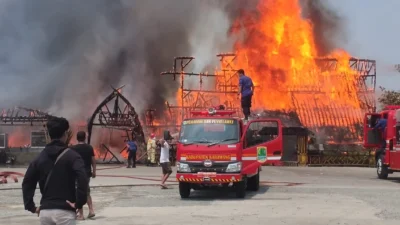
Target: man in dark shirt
point(131, 148)
point(87, 153)
point(246, 89)
point(57, 169)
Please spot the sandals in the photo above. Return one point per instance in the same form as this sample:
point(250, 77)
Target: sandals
point(91, 215)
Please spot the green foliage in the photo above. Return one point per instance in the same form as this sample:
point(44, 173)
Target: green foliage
point(389, 97)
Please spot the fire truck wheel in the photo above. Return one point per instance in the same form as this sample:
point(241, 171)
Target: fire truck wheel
point(253, 183)
point(240, 188)
point(381, 169)
point(184, 189)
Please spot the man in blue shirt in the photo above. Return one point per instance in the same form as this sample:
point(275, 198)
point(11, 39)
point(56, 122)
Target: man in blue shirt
point(381, 125)
point(246, 89)
point(131, 148)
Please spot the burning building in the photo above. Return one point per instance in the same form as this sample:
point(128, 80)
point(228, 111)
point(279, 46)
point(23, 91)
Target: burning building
point(293, 70)
point(286, 46)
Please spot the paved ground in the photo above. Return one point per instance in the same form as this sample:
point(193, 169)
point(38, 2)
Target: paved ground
point(289, 195)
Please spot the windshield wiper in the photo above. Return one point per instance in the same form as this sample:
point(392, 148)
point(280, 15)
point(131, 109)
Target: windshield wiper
point(196, 142)
point(218, 142)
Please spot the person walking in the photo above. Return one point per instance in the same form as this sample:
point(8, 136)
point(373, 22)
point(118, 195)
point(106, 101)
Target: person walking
point(62, 179)
point(151, 149)
point(132, 149)
point(165, 164)
point(86, 151)
point(246, 89)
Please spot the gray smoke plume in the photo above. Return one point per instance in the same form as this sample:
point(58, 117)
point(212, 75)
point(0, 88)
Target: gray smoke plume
point(328, 25)
point(63, 55)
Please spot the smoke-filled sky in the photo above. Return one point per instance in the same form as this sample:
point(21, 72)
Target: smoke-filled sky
point(371, 32)
point(62, 55)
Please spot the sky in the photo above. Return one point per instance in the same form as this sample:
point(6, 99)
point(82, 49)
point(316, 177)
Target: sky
point(372, 32)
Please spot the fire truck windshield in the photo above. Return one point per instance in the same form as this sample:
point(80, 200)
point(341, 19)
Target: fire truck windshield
point(207, 131)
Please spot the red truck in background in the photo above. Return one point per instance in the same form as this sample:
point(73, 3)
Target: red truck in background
point(387, 161)
point(217, 149)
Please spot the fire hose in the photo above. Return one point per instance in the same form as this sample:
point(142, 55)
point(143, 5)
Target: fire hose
point(13, 175)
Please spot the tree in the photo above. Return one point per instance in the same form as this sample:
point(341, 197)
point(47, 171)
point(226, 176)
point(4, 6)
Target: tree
point(389, 97)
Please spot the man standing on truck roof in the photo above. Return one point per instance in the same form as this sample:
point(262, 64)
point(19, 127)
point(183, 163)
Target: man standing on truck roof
point(246, 89)
point(381, 124)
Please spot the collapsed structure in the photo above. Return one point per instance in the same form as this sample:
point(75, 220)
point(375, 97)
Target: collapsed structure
point(34, 132)
point(115, 112)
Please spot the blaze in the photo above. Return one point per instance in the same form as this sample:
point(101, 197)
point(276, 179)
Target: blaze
point(278, 52)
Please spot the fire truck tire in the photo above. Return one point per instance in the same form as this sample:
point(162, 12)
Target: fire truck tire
point(240, 188)
point(253, 183)
point(184, 189)
point(381, 169)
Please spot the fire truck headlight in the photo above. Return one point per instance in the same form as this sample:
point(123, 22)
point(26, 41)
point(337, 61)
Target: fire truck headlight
point(182, 167)
point(234, 167)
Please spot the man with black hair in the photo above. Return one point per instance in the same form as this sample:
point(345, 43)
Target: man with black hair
point(246, 89)
point(57, 169)
point(164, 161)
point(87, 153)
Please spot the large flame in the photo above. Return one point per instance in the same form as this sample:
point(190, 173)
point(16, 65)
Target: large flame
point(278, 52)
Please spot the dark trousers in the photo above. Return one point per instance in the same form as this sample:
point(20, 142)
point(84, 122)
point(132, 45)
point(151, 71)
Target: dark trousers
point(246, 105)
point(132, 158)
point(381, 150)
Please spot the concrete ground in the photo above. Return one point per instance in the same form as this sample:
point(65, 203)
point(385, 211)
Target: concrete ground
point(289, 195)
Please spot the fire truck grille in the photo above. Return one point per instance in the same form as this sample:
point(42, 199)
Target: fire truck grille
point(216, 167)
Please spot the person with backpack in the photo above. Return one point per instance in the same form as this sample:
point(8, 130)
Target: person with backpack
point(132, 149)
point(62, 178)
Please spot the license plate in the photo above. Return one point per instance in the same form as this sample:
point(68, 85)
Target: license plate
point(206, 179)
point(206, 174)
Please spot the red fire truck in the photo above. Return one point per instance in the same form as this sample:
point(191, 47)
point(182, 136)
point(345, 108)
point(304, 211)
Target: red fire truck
point(217, 149)
point(387, 161)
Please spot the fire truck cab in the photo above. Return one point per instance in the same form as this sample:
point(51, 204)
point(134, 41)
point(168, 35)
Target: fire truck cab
point(217, 149)
point(387, 154)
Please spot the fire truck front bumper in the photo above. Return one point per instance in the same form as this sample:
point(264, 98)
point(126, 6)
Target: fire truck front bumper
point(208, 177)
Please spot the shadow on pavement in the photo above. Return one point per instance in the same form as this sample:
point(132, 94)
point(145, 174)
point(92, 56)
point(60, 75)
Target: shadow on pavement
point(394, 179)
point(225, 194)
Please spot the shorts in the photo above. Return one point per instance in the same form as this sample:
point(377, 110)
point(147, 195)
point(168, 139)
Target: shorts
point(166, 168)
point(246, 101)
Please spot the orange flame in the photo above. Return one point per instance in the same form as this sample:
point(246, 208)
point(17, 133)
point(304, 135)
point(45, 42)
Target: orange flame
point(278, 52)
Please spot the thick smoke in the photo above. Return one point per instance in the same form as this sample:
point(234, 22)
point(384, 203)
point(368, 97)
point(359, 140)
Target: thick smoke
point(63, 55)
point(328, 25)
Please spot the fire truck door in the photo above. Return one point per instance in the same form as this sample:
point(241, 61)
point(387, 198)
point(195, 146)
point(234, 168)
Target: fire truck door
point(262, 143)
point(372, 138)
point(395, 150)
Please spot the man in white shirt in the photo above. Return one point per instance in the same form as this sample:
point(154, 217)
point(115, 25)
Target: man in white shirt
point(165, 164)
